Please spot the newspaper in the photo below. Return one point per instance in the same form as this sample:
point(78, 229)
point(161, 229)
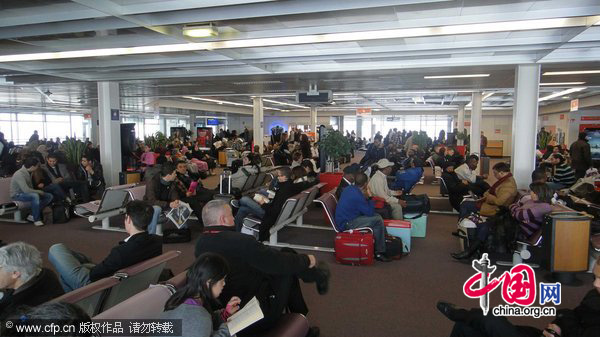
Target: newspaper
point(246, 316)
point(180, 214)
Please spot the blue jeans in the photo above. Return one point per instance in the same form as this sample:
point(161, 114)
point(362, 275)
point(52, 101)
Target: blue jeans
point(57, 192)
point(467, 207)
point(247, 207)
point(38, 202)
point(374, 222)
point(72, 267)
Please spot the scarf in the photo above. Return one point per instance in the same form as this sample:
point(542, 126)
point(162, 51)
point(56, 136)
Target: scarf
point(492, 189)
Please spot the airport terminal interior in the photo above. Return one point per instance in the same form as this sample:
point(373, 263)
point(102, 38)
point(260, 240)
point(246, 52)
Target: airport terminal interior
point(464, 134)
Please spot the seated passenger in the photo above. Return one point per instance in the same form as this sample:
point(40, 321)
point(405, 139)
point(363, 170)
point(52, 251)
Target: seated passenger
point(375, 151)
point(532, 208)
point(354, 210)
point(582, 321)
point(199, 195)
point(59, 175)
point(407, 179)
point(76, 270)
point(257, 270)
point(91, 173)
point(439, 156)
point(249, 167)
point(54, 313)
point(378, 186)
point(296, 159)
point(502, 193)
point(268, 212)
point(196, 303)
point(347, 179)
point(564, 175)
point(467, 172)
point(21, 189)
point(454, 156)
point(457, 188)
point(41, 181)
point(148, 158)
point(23, 279)
point(311, 176)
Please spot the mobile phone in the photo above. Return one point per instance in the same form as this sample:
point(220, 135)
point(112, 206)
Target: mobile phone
point(193, 186)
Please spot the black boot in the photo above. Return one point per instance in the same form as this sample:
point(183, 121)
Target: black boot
point(468, 253)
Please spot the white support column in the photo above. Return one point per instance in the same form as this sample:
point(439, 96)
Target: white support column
point(524, 124)
point(258, 123)
point(94, 127)
point(110, 131)
point(461, 118)
point(476, 124)
point(359, 122)
point(341, 124)
point(313, 120)
point(193, 125)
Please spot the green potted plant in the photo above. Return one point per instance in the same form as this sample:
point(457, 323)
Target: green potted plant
point(420, 138)
point(461, 136)
point(74, 150)
point(543, 139)
point(335, 146)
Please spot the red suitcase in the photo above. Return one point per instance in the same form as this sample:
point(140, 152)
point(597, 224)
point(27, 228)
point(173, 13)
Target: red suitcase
point(354, 247)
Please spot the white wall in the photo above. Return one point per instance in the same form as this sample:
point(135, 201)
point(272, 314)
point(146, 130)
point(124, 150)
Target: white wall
point(238, 122)
point(570, 123)
point(489, 126)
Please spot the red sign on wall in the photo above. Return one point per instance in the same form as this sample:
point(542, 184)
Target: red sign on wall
point(590, 118)
point(562, 116)
point(467, 123)
point(497, 131)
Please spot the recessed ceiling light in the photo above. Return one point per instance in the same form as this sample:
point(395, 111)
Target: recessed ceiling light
point(200, 30)
point(574, 72)
point(283, 103)
point(561, 93)
point(455, 76)
point(563, 83)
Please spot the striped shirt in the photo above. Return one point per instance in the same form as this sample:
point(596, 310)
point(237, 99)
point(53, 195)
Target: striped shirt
point(530, 215)
point(564, 175)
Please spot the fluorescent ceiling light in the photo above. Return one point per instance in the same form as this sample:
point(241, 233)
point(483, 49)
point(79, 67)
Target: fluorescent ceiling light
point(561, 93)
point(455, 76)
point(506, 26)
point(563, 83)
point(256, 82)
point(226, 102)
point(200, 30)
point(282, 103)
point(574, 72)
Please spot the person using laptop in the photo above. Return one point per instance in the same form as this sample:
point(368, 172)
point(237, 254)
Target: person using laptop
point(76, 270)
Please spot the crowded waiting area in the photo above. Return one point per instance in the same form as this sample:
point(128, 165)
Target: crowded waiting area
point(300, 168)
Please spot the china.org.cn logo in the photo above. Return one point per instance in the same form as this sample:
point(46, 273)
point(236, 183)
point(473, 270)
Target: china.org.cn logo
point(518, 288)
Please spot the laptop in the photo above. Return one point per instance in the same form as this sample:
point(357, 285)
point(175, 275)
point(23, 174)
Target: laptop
point(112, 199)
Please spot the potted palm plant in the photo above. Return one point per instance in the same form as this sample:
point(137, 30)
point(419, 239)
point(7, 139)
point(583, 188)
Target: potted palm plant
point(74, 150)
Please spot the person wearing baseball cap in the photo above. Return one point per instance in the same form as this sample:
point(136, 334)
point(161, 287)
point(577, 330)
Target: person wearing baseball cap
point(379, 188)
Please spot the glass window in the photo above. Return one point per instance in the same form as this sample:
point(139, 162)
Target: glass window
point(77, 129)
point(151, 126)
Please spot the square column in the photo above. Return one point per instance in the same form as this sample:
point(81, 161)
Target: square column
point(524, 124)
point(94, 126)
point(313, 120)
point(258, 130)
point(461, 119)
point(475, 144)
point(109, 103)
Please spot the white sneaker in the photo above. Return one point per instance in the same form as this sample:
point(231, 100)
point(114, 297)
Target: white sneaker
point(30, 218)
point(38, 223)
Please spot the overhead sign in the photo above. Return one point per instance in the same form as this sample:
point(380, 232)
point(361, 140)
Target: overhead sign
point(575, 104)
point(87, 116)
point(590, 118)
point(114, 114)
point(363, 111)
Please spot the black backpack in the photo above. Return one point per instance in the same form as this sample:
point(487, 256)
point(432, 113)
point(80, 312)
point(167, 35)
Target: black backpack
point(393, 247)
point(503, 232)
point(61, 213)
point(418, 204)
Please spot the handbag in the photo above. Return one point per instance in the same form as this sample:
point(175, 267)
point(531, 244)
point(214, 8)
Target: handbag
point(418, 204)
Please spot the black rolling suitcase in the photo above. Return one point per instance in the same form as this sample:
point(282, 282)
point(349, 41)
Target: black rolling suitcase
point(225, 187)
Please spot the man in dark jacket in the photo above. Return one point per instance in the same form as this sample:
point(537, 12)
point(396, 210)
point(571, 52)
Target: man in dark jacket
point(583, 321)
point(23, 280)
point(258, 270)
point(161, 193)
point(90, 172)
point(268, 212)
point(347, 179)
point(457, 188)
point(581, 155)
point(76, 270)
point(375, 152)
